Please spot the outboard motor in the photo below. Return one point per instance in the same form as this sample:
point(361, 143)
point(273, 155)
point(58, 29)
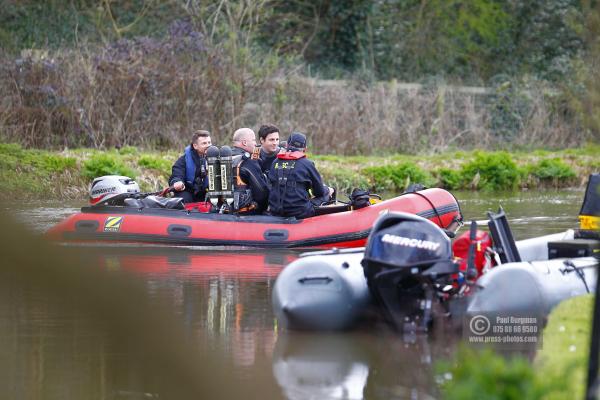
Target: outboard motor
point(112, 190)
point(214, 166)
point(408, 264)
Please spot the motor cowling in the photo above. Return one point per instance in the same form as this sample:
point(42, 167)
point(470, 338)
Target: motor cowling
point(109, 188)
point(406, 260)
point(404, 241)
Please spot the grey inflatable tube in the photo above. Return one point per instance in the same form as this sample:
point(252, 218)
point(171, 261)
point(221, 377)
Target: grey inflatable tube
point(322, 292)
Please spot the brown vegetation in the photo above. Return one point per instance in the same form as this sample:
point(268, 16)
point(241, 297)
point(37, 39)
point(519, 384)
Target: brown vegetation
point(154, 92)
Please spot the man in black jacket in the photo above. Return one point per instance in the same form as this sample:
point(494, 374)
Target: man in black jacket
point(292, 175)
point(268, 135)
point(251, 192)
point(188, 176)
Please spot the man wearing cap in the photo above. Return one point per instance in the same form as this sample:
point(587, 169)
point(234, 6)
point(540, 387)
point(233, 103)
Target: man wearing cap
point(250, 188)
point(188, 175)
point(292, 175)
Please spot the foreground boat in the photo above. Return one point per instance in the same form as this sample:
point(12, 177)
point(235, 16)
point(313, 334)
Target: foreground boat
point(121, 224)
point(329, 291)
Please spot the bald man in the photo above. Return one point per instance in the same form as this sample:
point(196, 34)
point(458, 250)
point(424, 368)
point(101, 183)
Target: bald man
point(251, 193)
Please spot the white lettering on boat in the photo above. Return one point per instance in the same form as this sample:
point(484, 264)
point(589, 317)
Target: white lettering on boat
point(410, 242)
point(96, 192)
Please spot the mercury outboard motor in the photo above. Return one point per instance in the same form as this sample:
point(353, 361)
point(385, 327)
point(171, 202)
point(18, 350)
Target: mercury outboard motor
point(408, 265)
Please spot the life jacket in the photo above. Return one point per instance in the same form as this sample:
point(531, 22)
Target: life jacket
point(291, 155)
point(284, 166)
point(190, 171)
point(242, 195)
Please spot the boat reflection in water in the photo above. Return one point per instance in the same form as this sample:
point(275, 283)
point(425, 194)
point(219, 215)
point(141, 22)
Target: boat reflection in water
point(223, 296)
point(356, 365)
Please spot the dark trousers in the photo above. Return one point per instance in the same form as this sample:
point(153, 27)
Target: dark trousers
point(187, 196)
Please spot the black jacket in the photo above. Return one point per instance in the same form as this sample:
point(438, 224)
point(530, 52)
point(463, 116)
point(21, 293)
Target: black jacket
point(290, 182)
point(198, 187)
point(251, 174)
point(266, 160)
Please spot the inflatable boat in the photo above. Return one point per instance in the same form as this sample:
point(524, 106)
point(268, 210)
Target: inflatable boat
point(407, 273)
point(347, 228)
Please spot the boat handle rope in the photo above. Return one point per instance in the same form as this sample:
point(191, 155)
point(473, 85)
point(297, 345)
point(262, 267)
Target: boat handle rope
point(571, 267)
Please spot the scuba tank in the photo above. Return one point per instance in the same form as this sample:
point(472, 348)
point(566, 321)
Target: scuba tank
point(226, 174)
point(214, 181)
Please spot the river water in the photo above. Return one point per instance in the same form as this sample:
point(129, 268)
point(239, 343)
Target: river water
point(55, 344)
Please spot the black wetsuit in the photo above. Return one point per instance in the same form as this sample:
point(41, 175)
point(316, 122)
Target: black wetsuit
point(266, 159)
point(252, 176)
point(291, 176)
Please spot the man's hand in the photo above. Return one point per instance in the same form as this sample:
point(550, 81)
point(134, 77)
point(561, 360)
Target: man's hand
point(179, 186)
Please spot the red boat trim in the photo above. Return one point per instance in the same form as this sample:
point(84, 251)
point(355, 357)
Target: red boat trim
point(187, 214)
point(181, 239)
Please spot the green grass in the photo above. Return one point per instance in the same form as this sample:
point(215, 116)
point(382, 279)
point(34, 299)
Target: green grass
point(559, 370)
point(566, 346)
point(106, 164)
point(485, 375)
point(67, 174)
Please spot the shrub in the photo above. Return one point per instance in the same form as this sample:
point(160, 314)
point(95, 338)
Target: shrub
point(128, 150)
point(342, 179)
point(486, 375)
point(449, 178)
point(397, 177)
point(552, 168)
point(49, 162)
point(12, 149)
point(105, 164)
point(156, 163)
point(491, 171)
point(13, 156)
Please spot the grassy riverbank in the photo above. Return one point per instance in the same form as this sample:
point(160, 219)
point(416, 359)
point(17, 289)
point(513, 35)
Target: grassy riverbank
point(566, 344)
point(557, 372)
point(66, 174)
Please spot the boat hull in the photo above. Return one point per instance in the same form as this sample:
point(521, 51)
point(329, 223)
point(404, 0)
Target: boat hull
point(191, 228)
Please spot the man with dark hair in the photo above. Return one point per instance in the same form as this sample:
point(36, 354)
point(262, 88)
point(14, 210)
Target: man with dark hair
point(250, 188)
point(188, 177)
point(292, 175)
point(268, 135)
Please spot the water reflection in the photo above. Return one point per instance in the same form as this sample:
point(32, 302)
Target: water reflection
point(53, 346)
point(376, 365)
point(224, 295)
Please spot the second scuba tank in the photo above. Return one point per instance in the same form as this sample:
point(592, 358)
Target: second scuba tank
point(214, 181)
point(226, 176)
